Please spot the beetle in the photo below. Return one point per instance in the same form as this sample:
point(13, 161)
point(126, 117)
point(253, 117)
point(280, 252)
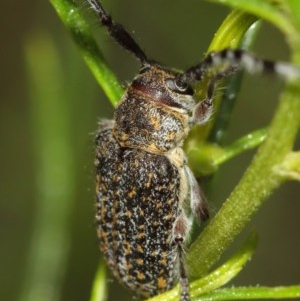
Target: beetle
point(146, 194)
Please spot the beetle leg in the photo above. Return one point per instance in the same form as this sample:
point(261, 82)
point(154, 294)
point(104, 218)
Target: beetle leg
point(180, 231)
point(198, 201)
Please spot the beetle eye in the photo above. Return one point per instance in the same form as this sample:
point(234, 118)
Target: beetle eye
point(179, 86)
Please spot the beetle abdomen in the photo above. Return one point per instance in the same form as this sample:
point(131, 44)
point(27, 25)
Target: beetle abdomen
point(137, 205)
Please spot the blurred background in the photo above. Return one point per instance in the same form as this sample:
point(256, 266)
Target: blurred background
point(50, 105)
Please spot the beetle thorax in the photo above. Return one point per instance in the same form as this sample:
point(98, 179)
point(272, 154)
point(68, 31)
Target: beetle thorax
point(151, 116)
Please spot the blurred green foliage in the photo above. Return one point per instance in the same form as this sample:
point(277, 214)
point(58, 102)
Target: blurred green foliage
point(175, 33)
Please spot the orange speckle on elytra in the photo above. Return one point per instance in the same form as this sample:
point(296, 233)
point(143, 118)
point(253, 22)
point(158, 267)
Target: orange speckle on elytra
point(140, 275)
point(140, 261)
point(161, 282)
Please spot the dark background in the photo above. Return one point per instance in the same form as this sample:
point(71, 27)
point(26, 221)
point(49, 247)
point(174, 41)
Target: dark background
point(174, 32)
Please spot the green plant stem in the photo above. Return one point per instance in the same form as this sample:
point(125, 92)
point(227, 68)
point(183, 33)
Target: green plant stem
point(256, 185)
point(261, 179)
point(289, 169)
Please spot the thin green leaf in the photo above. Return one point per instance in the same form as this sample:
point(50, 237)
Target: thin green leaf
point(245, 143)
point(207, 158)
point(230, 35)
point(74, 22)
point(218, 277)
point(232, 31)
point(294, 6)
point(51, 124)
point(294, 16)
point(252, 293)
point(265, 10)
point(99, 291)
point(232, 84)
point(227, 271)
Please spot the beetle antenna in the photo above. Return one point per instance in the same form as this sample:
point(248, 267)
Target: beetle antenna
point(119, 33)
point(238, 59)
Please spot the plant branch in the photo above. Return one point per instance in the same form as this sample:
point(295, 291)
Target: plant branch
point(257, 184)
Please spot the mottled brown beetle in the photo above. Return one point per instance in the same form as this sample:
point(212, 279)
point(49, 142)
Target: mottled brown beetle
point(146, 193)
